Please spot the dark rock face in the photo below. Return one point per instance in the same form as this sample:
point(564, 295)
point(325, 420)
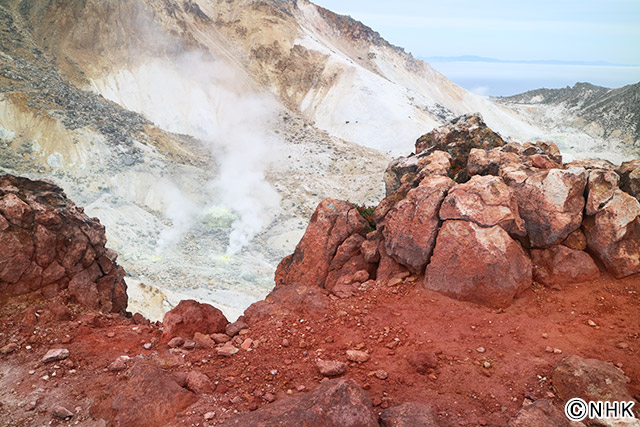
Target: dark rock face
point(51, 246)
point(630, 177)
point(190, 317)
point(335, 403)
point(540, 413)
point(458, 138)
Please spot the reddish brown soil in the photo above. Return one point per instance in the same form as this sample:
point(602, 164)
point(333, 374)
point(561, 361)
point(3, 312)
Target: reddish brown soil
point(461, 390)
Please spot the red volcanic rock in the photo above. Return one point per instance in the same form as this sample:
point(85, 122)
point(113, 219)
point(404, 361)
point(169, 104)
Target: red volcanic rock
point(49, 245)
point(411, 226)
point(540, 413)
point(489, 162)
point(189, 317)
point(331, 368)
point(485, 200)
point(559, 265)
point(422, 361)
point(600, 189)
point(150, 397)
point(303, 300)
point(409, 171)
point(551, 150)
point(408, 414)
point(550, 202)
point(613, 234)
point(630, 177)
point(331, 224)
point(483, 265)
point(334, 403)
point(589, 379)
point(199, 383)
point(589, 164)
point(348, 265)
point(458, 138)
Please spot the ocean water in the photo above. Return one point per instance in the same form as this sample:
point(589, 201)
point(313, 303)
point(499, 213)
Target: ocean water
point(505, 79)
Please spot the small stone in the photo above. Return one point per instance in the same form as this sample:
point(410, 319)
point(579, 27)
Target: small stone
point(486, 365)
point(246, 345)
point(234, 328)
point(269, 397)
point(203, 340)
point(357, 356)
point(61, 412)
point(56, 354)
point(557, 351)
point(301, 388)
point(591, 323)
point(31, 372)
point(394, 282)
point(220, 338)
point(285, 343)
point(376, 401)
point(549, 350)
point(209, 416)
point(381, 374)
point(176, 342)
point(189, 345)
point(545, 335)
point(622, 345)
point(227, 350)
point(147, 346)
point(331, 368)
point(120, 364)
point(111, 334)
point(9, 348)
point(432, 377)
point(480, 349)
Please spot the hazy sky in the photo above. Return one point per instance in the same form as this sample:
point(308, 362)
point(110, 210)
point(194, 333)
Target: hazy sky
point(580, 30)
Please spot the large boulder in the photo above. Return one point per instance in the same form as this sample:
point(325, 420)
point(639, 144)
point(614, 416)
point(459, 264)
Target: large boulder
point(478, 264)
point(411, 226)
point(331, 224)
point(458, 138)
point(149, 397)
point(613, 234)
point(334, 403)
point(50, 246)
point(551, 202)
point(560, 265)
point(487, 201)
point(189, 317)
point(410, 414)
point(489, 162)
point(589, 379)
point(630, 177)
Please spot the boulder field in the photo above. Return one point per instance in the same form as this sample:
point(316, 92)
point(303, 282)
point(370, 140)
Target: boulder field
point(490, 286)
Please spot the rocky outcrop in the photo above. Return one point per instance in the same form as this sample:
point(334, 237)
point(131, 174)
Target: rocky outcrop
point(190, 317)
point(560, 265)
point(410, 228)
point(50, 246)
point(541, 413)
point(474, 238)
point(333, 222)
point(335, 403)
point(478, 264)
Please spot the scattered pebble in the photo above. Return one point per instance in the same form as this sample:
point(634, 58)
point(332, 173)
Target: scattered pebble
point(480, 349)
point(357, 356)
point(545, 335)
point(591, 323)
point(381, 374)
point(56, 354)
point(147, 346)
point(557, 351)
point(209, 416)
point(331, 368)
point(176, 342)
point(61, 412)
point(486, 365)
point(622, 345)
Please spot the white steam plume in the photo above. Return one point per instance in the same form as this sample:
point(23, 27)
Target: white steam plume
point(214, 102)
